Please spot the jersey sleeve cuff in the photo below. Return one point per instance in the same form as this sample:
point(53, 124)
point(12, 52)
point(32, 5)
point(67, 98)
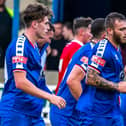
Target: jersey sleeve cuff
point(19, 70)
point(94, 68)
point(81, 68)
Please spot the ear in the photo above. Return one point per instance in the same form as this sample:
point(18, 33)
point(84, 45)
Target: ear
point(109, 31)
point(81, 31)
point(103, 35)
point(34, 24)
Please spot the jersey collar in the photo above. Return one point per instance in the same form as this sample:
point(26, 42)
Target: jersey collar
point(77, 41)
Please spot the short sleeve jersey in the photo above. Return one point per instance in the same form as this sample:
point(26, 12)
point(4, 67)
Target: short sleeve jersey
point(80, 58)
point(107, 60)
point(21, 55)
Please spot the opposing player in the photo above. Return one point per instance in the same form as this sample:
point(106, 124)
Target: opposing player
point(21, 100)
point(81, 28)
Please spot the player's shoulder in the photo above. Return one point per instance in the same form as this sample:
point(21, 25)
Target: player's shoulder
point(86, 47)
point(89, 45)
point(74, 43)
point(102, 48)
point(69, 46)
point(102, 43)
point(21, 40)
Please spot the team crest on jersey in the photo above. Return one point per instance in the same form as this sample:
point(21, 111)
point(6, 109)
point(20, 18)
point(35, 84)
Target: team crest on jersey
point(19, 59)
point(98, 60)
point(122, 75)
point(84, 59)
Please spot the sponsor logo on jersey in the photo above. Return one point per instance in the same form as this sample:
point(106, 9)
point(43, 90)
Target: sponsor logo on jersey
point(19, 59)
point(98, 60)
point(84, 59)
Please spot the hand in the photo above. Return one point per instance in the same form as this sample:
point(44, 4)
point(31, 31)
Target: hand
point(54, 52)
point(58, 101)
point(122, 86)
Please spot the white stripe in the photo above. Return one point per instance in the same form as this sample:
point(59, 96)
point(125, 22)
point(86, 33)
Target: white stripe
point(5, 72)
point(20, 42)
point(101, 48)
point(77, 41)
point(92, 45)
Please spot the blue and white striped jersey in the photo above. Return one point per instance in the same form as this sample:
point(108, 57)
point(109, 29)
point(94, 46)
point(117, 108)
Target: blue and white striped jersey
point(107, 60)
point(21, 55)
point(80, 58)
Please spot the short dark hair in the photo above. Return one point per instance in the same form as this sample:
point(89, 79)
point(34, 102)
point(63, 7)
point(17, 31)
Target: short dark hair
point(111, 17)
point(35, 12)
point(69, 25)
point(81, 22)
point(97, 27)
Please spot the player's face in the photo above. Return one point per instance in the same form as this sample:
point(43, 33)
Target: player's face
point(87, 34)
point(119, 32)
point(58, 29)
point(42, 28)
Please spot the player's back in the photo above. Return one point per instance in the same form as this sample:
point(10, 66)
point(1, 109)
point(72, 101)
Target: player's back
point(67, 53)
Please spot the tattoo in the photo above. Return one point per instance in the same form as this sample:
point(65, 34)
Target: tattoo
point(94, 79)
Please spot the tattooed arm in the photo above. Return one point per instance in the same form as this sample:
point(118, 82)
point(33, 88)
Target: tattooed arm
point(93, 78)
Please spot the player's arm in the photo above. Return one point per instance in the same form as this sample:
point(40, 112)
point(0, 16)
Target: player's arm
point(93, 78)
point(48, 50)
point(74, 81)
point(25, 85)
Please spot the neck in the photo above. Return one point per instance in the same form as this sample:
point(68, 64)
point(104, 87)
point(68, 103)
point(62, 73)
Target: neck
point(31, 36)
point(79, 39)
point(71, 37)
point(113, 42)
point(95, 40)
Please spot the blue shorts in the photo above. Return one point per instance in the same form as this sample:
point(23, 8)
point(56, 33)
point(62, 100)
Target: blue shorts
point(18, 119)
point(87, 120)
point(74, 120)
point(58, 119)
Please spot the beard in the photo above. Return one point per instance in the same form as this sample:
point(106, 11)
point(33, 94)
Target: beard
point(116, 38)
